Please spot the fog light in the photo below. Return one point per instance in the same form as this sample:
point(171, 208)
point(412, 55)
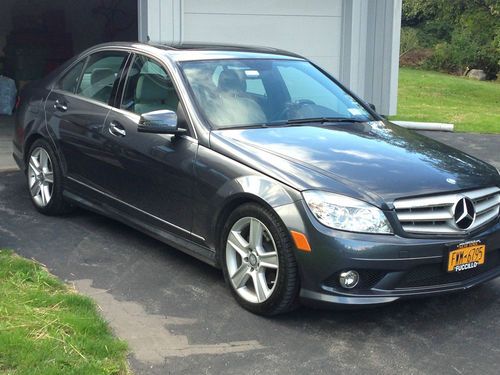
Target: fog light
point(349, 279)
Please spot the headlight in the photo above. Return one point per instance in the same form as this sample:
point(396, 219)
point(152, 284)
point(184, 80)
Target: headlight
point(345, 213)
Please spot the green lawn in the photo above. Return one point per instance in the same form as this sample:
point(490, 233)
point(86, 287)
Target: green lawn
point(472, 106)
point(46, 328)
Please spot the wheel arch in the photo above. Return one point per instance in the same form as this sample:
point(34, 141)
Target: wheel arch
point(32, 138)
point(248, 189)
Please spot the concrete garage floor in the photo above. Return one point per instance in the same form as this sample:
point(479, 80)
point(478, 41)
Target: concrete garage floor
point(179, 317)
point(6, 133)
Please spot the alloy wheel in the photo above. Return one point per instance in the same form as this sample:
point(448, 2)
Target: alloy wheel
point(40, 177)
point(252, 260)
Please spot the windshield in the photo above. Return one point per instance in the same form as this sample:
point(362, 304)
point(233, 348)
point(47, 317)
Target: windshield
point(259, 92)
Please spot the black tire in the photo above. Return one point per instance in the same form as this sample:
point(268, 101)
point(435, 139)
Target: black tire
point(57, 204)
point(284, 297)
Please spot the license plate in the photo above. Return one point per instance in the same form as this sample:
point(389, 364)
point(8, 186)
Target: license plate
point(466, 256)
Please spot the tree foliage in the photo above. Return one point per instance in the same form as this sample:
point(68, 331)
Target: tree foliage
point(463, 33)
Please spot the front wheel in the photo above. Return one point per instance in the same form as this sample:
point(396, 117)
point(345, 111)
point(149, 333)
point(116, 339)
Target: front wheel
point(258, 261)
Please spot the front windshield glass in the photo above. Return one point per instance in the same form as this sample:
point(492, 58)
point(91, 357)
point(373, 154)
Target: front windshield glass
point(254, 92)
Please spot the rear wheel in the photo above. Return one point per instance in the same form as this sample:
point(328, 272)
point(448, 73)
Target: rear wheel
point(44, 179)
point(258, 261)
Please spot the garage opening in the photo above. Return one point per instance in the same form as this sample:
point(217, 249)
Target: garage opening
point(36, 36)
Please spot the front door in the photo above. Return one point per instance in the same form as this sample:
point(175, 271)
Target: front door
point(152, 174)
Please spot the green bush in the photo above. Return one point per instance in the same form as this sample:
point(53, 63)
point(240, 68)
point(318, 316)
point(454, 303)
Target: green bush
point(472, 46)
point(463, 34)
point(409, 40)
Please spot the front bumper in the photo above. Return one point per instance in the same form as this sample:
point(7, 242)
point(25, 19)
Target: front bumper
point(391, 267)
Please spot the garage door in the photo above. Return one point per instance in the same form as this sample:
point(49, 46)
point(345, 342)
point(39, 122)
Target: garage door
point(309, 27)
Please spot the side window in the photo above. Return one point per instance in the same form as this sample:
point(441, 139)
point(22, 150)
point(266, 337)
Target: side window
point(69, 81)
point(148, 88)
point(101, 74)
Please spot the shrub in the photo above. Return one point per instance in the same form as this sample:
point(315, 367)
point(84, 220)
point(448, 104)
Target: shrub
point(409, 40)
point(473, 45)
point(463, 34)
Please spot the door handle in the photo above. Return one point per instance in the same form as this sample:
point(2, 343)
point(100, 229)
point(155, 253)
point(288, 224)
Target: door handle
point(117, 129)
point(60, 106)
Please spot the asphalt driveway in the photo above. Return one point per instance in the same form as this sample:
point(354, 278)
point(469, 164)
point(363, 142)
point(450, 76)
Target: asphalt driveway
point(179, 317)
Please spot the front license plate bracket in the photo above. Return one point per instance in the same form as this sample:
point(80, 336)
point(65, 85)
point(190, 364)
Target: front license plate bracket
point(466, 256)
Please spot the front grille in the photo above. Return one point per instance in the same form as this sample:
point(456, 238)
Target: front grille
point(435, 214)
point(434, 274)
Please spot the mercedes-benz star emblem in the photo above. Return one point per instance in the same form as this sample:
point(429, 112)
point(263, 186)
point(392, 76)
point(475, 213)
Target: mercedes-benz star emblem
point(464, 213)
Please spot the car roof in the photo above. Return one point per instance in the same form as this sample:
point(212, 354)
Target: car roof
point(205, 51)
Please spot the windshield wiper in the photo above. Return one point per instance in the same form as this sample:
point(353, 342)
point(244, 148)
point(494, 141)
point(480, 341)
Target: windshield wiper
point(294, 122)
point(323, 120)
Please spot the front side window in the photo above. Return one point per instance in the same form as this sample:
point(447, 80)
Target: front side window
point(69, 81)
point(148, 88)
point(248, 92)
point(101, 75)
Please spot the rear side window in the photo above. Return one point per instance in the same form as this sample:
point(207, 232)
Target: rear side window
point(69, 81)
point(101, 75)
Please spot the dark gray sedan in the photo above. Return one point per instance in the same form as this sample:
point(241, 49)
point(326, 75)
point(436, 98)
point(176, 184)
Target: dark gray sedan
point(256, 161)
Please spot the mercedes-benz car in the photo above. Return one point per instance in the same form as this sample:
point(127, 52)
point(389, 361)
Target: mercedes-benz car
point(259, 162)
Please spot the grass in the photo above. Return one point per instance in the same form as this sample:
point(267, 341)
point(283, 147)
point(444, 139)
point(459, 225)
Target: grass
point(473, 106)
point(46, 328)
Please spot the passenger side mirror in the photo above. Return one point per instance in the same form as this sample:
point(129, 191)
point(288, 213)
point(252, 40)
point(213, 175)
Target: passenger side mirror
point(160, 122)
point(372, 106)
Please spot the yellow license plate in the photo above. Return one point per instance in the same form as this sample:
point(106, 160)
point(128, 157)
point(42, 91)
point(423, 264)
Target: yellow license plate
point(466, 257)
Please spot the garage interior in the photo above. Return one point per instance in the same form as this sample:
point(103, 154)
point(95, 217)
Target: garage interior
point(36, 36)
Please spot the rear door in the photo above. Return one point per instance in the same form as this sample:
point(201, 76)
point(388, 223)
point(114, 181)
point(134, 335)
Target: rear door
point(151, 173)
point(76, 110)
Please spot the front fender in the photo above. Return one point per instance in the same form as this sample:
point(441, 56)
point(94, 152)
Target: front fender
point(262, 188)
point(252, 188)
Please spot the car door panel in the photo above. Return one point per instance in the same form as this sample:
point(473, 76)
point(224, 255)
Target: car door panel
point(76, 110)
point(144, 169)
point(77, 131)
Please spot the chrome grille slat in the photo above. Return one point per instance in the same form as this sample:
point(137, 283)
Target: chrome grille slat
point(485, 217)
point(476, 194)
point(434, 215)
point(488, 204)
point(429, 228)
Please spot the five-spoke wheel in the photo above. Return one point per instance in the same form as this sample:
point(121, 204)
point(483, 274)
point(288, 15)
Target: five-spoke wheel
point(40, 177)
point(44, 179)
point(258, 261)
point(252, 259)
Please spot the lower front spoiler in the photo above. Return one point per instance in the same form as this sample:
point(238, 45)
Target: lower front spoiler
point(374, 297)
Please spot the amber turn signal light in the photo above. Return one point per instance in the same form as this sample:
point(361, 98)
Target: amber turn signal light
point(301, 241)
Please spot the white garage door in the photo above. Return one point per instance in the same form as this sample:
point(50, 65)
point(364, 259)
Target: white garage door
point(355, 40)
point(309, 27)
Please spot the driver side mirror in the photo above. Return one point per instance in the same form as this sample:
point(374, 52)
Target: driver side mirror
point(160, 122)
point(372, 106)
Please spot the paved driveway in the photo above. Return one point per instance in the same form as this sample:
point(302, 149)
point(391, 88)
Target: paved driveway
point(178, 316)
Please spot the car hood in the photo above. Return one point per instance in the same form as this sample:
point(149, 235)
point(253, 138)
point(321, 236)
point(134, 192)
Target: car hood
point(374, 161)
